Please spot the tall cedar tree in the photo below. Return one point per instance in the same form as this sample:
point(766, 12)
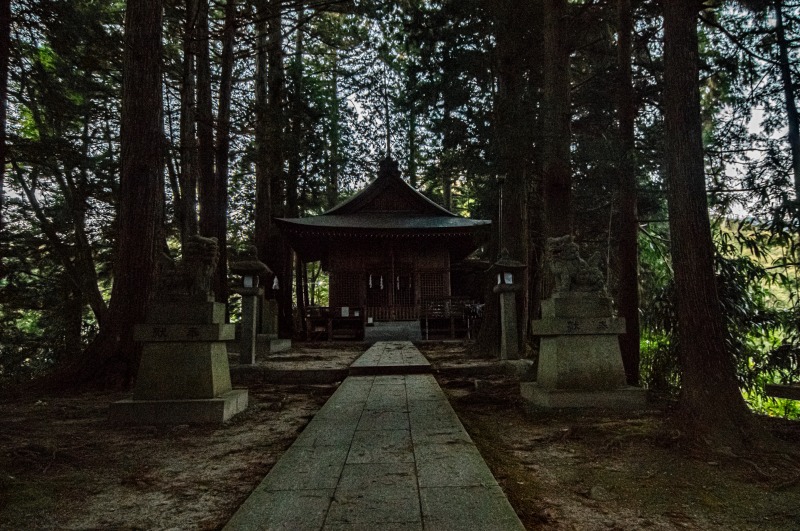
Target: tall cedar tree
point(189, 162)
point(210, 191)
point(270, 178)
point(112, 358)
point(627, 247)
point(555, 163)
point(5, 49)
point(513, 134)
point(263, 207)
point(223, 147)
point(789, 94)
point(512, 139)
point(712, 405)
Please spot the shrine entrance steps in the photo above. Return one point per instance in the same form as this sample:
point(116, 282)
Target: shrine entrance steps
point(385, 452)
point(393, 331)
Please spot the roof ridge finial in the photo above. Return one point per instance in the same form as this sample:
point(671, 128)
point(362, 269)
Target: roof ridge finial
point(389, 167)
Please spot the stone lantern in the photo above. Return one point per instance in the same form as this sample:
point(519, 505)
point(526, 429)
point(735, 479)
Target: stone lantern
point(250, 268)
point(508, 272)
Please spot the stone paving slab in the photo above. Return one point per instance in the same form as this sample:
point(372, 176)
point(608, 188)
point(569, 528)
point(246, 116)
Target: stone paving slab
point(390, 357)
point(385, 452)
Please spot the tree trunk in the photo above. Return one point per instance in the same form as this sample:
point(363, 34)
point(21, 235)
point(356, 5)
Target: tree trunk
point(281, 260)
point(263, 210)
point(514, 144)
point(556, 177)
point(712, 404)
point(189, 162)
point(276, 83)
point(332, 188)
point(223, 145)
point(113, 357)
point(628, 223)
point(788, 94)
point(208, 195)
point(5, 50)
point(300, 293)
point(512, 138)
point(71, 313)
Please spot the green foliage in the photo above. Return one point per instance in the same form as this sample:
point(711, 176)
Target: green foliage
point(63, 107)
point(761, 335)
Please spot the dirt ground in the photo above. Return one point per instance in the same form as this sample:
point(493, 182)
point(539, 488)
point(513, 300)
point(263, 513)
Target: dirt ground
point(63, 466)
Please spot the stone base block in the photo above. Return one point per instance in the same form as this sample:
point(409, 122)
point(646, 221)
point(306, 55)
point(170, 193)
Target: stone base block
point(577, 304)
point(176, 333)
point(202, 411)
point(266, 345)
point(522, 369)
point(537, 397)
point(176, 371)
point(584, 362)
point(185, 312)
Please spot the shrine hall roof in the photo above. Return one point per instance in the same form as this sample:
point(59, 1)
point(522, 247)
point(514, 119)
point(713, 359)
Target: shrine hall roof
point(388, 205)
point(385, 221)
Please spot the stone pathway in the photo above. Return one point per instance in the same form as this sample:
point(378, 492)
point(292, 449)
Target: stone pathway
point(385, 452)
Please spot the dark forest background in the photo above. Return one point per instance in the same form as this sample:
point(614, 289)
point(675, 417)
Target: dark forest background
point(665, 137)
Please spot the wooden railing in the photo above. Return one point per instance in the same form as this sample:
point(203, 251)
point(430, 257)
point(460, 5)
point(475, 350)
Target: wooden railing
point(450, 317)
point(338, 322)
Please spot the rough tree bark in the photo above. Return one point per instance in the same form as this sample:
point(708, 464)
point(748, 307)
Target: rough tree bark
point(208, 194)
point(295, 132)
point(113, 357)
point(5, 50)
point(713, 408)
point(188, 133)
point(281, 261)
point(263, 210)
point(512, 143)
point(332, 183)
point(223, 145)
point(555, 124)
point(788, 94)
point(628, 223)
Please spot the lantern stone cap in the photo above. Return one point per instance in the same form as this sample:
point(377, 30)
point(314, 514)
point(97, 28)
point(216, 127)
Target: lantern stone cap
point(506, 263)
point(250, 264)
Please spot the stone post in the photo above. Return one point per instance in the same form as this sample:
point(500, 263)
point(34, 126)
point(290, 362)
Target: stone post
point(509, 335)
point(269, 318)
point(508, 271)
point(251, 268)
point(249, 323)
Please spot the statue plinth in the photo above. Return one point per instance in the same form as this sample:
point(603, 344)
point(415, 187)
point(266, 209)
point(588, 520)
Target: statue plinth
point(580, 363)
point(183, 376)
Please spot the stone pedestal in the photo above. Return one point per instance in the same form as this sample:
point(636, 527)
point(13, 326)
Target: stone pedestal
point(249, 324)
point(183, 374)
point(580, 364)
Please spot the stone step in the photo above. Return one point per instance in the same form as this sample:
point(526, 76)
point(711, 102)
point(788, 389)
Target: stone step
point(267, 344)
point(390, 357)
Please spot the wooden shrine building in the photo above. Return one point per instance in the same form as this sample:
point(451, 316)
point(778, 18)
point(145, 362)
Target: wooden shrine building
point(388, 249)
